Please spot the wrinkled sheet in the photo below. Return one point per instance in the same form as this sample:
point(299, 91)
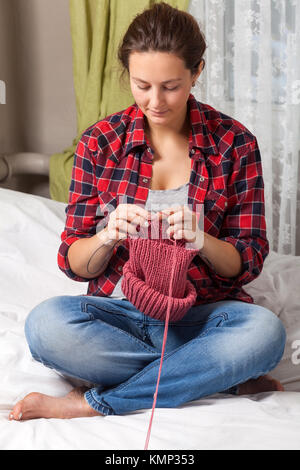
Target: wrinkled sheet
point(30, 228)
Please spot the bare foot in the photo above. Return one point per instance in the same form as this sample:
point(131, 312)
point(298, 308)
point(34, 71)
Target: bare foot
point(38, 405)
point(265, 383)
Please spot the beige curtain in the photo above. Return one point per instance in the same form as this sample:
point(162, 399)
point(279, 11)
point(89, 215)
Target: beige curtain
point(97, 27)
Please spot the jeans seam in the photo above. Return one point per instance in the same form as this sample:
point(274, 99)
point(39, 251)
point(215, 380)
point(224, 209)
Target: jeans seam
point(91, 400)
point(184, 324)
point(84, 310)
point(111, 411)
point(42, 361)
point(84, 306)
point(263, 372)
point(131, 337)
point(166, 357)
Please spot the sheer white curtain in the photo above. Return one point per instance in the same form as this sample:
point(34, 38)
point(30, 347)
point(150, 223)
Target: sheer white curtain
point(252, 74)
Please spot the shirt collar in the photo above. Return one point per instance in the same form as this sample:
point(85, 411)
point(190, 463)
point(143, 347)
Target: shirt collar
point(201, 138)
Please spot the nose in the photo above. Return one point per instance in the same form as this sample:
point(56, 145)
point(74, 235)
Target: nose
point(156, 101)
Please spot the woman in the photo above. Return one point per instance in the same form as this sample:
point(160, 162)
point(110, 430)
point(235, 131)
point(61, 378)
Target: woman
point(169, 151)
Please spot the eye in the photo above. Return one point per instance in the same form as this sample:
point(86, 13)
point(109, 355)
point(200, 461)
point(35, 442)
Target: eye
point(168, 89)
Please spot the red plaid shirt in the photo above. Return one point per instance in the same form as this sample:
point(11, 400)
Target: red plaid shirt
point(114, 158)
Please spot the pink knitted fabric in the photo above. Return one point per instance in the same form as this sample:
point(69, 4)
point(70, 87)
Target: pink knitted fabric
point(147, 273)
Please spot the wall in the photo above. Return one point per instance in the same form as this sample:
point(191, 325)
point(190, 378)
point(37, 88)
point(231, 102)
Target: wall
point(36, 66)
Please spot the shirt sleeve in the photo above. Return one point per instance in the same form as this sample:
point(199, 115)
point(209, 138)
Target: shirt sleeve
point(244, 224)
point(82, 211)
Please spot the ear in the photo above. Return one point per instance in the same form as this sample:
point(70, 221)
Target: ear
point(200, 68)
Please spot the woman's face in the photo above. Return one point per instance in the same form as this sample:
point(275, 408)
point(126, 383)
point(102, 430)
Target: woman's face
point(160, 83)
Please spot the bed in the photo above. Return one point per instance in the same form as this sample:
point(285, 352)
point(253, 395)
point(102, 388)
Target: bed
point(29, 239)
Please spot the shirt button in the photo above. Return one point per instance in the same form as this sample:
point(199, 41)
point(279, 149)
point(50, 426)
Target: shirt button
point(145, 180)
point(202, 178)
point(149, 150)
point(193, 151)
point(120, 268)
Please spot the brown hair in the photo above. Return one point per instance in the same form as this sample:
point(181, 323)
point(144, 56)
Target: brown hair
point(165, 29)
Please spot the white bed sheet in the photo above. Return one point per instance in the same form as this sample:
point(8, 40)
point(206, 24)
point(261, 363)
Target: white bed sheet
point(30, 231)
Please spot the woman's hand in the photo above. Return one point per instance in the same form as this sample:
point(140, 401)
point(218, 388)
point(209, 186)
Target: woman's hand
point(183, 225)
point(124, 221)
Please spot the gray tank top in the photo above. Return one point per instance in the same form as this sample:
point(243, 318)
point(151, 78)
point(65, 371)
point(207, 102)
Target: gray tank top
point(157, 200)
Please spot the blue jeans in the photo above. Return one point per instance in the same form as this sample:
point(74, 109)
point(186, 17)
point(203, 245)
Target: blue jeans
point(113, 346)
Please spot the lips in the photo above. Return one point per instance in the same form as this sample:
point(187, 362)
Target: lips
point(160, 112)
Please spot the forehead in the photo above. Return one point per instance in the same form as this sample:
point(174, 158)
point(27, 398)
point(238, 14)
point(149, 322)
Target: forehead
point(156, 66)
point(157, 59)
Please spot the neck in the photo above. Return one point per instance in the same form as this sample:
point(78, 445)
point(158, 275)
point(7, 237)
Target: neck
point(180, 127)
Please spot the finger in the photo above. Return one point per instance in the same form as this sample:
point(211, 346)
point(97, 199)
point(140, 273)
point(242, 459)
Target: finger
point(187, 222)
point(170, 210)
point(129, 218)
point(183, 214)
point(195, 238)
point(124, 209)
point(172, 231)
point(177, 234)
point(136, 217)
point(130, 228)
point(186, 235)
point(141, 211)
point(117, 229)
point(181, 225)
point(115, 234)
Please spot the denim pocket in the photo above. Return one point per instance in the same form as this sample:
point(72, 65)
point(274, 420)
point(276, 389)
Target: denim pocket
point(117, 319)
point(116, 307)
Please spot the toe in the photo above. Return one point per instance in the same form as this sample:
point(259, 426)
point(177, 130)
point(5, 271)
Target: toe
point(16, 413)
point(279, 386)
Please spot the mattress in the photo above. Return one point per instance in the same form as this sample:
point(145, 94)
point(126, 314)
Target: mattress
point(30, 231)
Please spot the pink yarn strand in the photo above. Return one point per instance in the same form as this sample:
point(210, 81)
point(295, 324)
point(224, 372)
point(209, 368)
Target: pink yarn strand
point(163, 349)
